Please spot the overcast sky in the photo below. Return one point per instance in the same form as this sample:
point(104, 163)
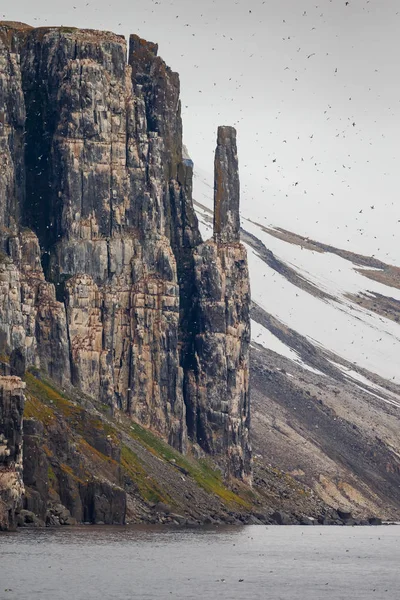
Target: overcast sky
point(313, 88)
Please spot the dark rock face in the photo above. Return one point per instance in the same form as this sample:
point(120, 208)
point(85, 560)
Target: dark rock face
point(281, 518)
point(36, 469)
point(11, 485)
point(12, 124)
point(344, 514)
point(60, 488)
point(226, 190)
point(219, 406)
point(105, 504)
point(106, 282)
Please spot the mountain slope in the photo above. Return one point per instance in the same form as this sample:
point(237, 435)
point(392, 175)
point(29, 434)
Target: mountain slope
point(82, 464)
point(325, 363)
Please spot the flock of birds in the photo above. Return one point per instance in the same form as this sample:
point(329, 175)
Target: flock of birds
point(283, 52)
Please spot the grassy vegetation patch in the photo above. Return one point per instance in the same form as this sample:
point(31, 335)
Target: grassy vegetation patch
point(45, 402)
point(93, 423)
point(205, 475)
point(67, 29)
point(148, 488)
point(4, 258)
point(38, 388)
point(51, 476)
point(77, 417)
point(35, 409)
point(69, 471)
point(95, 456)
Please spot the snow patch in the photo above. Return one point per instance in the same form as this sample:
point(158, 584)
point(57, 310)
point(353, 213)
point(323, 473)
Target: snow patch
point(350, 331)
point(389, 397)
point(261, 335)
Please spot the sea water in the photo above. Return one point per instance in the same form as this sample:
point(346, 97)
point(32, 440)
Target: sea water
point(227, 563)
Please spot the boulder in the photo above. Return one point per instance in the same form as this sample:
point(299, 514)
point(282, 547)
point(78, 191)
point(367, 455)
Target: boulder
point(281, 518)
point(345, 515)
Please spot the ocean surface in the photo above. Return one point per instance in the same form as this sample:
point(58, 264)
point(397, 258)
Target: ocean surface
point(257, 562)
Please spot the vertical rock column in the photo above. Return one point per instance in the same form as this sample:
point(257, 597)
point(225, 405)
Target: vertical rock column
point(226, 188)
point(11, 485)
point(219, 407)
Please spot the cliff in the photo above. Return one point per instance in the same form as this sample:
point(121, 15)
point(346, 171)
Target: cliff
point(11, 484)
point(105, 282)
point(219, 406)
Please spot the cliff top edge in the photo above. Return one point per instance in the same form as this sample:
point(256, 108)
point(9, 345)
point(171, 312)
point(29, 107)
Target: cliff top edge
point(69, 29)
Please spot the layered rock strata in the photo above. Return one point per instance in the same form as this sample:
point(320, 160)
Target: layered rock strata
point(104, 280)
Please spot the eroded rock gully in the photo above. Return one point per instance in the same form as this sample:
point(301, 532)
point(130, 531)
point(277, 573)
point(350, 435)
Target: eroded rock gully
point(105, 282)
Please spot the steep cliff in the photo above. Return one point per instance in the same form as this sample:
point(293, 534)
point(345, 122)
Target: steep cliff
point(11, 484)
point(105, 282)
point(219, 405)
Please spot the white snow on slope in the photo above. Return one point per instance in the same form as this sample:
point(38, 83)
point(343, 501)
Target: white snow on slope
point(267, 339)
point(354, 333)
point(382, 393)
point(373, 231)
point(329, 272)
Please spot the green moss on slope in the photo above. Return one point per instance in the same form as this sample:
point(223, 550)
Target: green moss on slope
point(148, 488)
point(205, 475)
point(46, 403)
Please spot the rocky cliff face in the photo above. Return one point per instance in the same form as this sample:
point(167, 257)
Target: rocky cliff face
point(104, 280)
point(11, 484)
point(219, 406)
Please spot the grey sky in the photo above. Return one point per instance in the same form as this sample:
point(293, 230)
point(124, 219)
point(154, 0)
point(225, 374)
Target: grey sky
point(293, 76)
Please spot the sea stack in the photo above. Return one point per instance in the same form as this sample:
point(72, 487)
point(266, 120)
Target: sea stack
point(226, 187)
point(223, 318)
